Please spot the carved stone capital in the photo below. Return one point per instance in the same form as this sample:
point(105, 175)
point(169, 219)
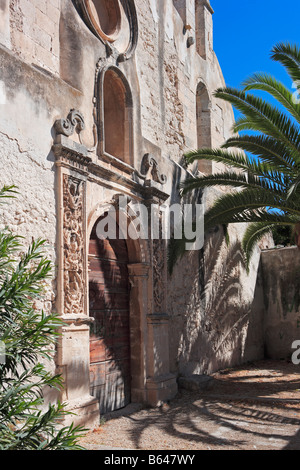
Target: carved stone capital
point(73, 123)
point(77, 320)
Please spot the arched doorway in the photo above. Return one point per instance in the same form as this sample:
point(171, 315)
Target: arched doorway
point(110, 333)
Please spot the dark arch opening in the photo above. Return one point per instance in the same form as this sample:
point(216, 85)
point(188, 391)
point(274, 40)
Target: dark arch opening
point(110, 371)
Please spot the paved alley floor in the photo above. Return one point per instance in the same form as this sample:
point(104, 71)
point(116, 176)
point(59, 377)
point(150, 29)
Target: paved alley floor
point(254, 407)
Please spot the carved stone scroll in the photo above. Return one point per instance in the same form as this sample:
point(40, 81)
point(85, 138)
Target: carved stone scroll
point(74, 122)
point(74, 281)
point(150, 170)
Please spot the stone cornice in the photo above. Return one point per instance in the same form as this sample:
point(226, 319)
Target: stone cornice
point(76, 157)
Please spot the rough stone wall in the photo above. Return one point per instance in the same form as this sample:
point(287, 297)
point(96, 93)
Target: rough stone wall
point(281, 288)
point(34, 32)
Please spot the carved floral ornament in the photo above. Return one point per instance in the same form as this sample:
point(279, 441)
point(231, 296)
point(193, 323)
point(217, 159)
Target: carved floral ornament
point(150, 170)
point(73, 236)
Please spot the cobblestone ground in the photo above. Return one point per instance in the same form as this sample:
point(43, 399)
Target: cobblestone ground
point(256, 407)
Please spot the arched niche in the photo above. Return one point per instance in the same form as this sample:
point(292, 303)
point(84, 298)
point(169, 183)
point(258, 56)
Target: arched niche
point(116, 119)
point(203, 118)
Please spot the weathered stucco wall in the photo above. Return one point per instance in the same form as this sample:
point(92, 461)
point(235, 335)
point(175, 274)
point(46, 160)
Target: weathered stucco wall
point(281, 284)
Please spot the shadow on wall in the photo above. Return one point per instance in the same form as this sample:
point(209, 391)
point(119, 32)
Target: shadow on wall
point(281, 284)
point(212, 326)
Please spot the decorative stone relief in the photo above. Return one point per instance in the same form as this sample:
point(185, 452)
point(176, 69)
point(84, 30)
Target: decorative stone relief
point(73, 123)
point(74, 282)
point(150, 170)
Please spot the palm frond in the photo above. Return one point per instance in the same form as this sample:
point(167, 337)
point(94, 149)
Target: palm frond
point(269, 84)
point(244, 206)
point(266, 149)
point(255, 231)
point(288, 55)
point(238, 180)
point(236, 160)
point(8, 191)
point(264, 171)
point(258, 115)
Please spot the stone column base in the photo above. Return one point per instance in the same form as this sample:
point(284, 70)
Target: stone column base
point(85, 412)
point(161, 389)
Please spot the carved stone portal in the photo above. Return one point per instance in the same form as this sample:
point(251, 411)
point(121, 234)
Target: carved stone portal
point(74, 282)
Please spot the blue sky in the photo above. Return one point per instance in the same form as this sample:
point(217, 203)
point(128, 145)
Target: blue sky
point(246, 30)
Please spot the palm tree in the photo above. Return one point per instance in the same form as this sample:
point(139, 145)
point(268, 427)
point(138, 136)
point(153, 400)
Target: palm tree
point(265, 167)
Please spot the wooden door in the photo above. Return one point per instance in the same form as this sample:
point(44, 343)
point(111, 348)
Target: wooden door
point(110, 333)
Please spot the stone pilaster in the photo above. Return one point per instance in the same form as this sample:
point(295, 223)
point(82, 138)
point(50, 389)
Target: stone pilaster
point(73, 354)
point(139, 281)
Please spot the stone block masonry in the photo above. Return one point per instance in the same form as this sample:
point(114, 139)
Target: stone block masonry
point(34, 32)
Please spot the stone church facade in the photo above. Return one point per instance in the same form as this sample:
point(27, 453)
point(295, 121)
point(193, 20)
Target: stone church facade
point(100, 99)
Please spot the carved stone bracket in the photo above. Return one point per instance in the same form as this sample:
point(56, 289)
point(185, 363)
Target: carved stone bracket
point(73, 123)
point(150, 170)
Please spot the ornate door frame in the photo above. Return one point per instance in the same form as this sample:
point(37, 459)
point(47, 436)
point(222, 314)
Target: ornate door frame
point(77, 170)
